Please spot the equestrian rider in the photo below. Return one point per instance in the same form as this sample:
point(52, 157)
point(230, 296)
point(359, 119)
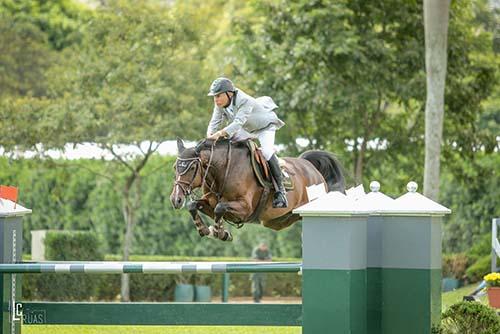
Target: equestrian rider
point(248, 118)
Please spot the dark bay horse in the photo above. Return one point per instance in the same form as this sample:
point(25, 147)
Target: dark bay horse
point(231, 191)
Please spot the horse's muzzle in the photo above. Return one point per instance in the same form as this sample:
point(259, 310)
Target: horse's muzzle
point(177, 200)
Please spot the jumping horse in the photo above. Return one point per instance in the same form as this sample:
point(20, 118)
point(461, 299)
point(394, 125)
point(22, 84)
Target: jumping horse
point(233, 187)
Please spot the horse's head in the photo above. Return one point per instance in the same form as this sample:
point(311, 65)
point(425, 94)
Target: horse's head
point(188, 174)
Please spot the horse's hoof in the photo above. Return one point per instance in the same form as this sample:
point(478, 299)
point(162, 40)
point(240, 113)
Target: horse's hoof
point(229, 236)
point(225, 236)
point(204, 231)
point(212, 233)
point(221, 234)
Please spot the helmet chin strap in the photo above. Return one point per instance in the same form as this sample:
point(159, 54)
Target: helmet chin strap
point(229, 100)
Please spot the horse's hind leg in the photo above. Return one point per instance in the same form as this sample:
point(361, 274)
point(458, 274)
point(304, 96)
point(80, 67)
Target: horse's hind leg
point(193, 208)
point(218, 228)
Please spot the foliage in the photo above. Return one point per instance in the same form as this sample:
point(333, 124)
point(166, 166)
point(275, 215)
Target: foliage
point(66, 246)
point(32, 33)
point(349, 77)
point(452, 297)
point(60, 20)
point(336, 69)
point(472, 78)
point(24, 58)
point(454, 265)
point(471, 190)
point(480, 258)
point(481, 248)
point(470, 318)
point(72, 245)
point(479, 268)
point(492, 279)
point(436, 329)
point(130, 78)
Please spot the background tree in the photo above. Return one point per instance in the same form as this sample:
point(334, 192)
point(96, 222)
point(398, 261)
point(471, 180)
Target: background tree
point(349, 77)
point(24, 58)
point(60, 20)
point(129, 82)
point(346, 74)
point(436, 16)
point(32, 37)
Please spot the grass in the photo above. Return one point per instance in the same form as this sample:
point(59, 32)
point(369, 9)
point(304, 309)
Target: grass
point(40, 329)
point(452, 297)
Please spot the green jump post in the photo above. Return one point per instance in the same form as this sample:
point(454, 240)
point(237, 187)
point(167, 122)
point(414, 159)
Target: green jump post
point(11, 247)
point(333, 266)
point(404, 262)
point(371, 264)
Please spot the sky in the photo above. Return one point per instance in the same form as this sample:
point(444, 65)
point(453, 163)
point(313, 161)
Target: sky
point(92, 151)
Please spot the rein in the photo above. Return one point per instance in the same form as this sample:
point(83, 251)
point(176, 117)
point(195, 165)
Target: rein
point(227, 170)
point(185, 163)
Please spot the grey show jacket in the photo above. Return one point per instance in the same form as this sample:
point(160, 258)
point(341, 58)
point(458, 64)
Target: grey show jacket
point(253, 115)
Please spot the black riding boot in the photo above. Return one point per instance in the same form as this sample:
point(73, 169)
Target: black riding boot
point(279, 200)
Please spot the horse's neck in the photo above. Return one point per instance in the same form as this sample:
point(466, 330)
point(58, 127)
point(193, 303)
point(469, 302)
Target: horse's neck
point(237, 164)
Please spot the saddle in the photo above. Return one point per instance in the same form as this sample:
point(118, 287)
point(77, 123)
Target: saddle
point(261, 168)
point(262, 173)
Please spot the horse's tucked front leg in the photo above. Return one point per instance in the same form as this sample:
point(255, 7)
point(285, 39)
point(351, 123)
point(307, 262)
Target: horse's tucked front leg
point(218, 228)
point(193, 208)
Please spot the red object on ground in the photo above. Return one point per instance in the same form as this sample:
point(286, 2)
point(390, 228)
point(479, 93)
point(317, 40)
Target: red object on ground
point(494, 296)
point(9, 193)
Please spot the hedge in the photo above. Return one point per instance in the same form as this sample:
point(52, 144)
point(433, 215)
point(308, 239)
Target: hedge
point(152, 287)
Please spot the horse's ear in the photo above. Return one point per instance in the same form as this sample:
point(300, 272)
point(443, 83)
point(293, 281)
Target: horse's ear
point(180, 145)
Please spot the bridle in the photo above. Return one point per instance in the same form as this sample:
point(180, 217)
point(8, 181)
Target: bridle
point(186, 163)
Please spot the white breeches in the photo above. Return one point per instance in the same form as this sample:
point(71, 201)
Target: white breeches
point(266, 140)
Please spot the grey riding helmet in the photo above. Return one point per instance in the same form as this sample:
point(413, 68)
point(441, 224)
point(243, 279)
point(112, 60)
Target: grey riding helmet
point(221, 85)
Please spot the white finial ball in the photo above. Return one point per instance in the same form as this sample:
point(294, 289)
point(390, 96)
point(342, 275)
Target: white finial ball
point(374, 186)
point(412, 186)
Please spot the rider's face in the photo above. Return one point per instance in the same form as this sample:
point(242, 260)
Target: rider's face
point(221, 100)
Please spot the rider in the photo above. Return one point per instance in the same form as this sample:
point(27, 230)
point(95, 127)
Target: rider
point(248, 118)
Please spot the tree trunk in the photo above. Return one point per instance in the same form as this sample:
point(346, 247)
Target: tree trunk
point(436, 16)
point(358, 175)
point(370, 122)
point(131, 203)
point(128, 215)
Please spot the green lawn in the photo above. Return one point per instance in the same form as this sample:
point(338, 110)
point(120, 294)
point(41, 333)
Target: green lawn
point(39, 329)
point(452, 297)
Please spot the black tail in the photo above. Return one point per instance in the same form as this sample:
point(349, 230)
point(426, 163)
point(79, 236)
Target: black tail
point(328, 165)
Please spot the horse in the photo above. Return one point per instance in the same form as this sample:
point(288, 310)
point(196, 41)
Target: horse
point(231, 191)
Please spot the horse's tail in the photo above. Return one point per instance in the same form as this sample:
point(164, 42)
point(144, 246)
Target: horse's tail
point(329, 166)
